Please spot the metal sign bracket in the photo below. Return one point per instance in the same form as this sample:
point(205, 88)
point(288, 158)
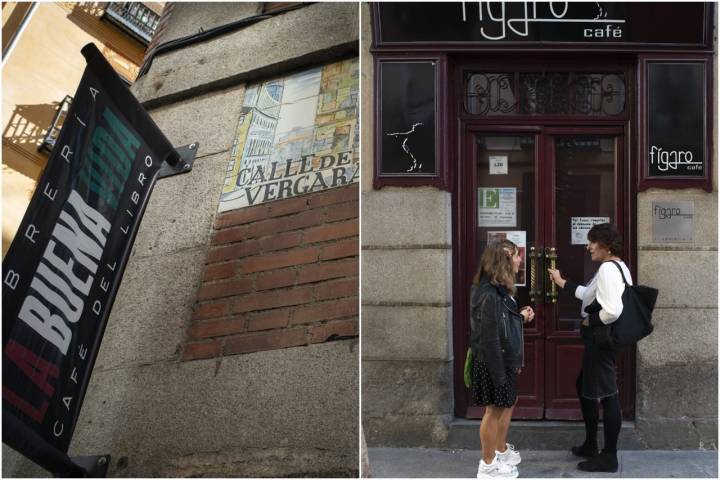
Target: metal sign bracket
point(96, 466)
point(183, 165)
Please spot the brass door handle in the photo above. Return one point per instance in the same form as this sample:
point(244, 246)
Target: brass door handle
point(532, 256)
point(551, 255)
point(535, 256)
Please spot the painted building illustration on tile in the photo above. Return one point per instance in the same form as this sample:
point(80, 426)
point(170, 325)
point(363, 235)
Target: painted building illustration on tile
point(296, 135)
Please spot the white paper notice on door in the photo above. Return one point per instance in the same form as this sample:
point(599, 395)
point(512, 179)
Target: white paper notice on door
point(519, 238)
point(497, 207)
point(498, 164)
point(580, 226)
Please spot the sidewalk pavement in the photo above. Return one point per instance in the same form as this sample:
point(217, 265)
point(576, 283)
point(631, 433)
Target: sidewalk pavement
point(447, 463)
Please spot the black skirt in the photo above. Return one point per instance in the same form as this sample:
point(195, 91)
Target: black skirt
point(486, 393)
point(599, 379)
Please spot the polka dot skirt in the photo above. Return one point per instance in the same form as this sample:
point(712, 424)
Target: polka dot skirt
point(485, 393)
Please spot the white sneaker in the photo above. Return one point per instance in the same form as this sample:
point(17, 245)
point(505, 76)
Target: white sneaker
point(509, 456)
point(496, 469)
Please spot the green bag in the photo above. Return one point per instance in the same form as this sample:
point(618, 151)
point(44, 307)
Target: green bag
point(468, 367)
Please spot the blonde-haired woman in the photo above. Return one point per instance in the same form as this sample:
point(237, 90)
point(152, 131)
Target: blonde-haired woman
point(497, 342)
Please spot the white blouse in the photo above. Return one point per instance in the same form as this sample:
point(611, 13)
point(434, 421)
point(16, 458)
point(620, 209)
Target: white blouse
point(607, 286)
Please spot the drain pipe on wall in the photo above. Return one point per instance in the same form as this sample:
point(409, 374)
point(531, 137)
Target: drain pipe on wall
point(15, 36)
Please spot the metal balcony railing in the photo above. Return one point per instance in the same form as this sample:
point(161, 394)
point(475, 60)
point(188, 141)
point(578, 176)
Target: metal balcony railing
point(53, 132)
point(135, 18)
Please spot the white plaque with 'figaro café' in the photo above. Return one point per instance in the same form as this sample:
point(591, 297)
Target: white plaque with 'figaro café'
point(673, 221)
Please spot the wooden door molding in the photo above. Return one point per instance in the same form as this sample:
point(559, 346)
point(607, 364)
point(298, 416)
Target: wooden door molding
point(560, 349)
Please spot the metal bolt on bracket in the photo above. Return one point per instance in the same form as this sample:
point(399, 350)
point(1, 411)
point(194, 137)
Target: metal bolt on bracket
point(183, 164)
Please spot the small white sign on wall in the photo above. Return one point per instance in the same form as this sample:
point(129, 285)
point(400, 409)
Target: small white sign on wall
point(673, 221)
point(580, 226)
point(498, 164)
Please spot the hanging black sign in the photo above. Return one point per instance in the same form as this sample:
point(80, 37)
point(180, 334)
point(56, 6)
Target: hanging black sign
point(64, 267)
point(651, 23)
point(676, 119)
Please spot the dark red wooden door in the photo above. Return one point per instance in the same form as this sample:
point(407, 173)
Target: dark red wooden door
point(543, 188)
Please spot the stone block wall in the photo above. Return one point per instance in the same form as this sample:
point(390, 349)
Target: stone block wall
point(407, 354)
point(677, 376)
point(295, 39)
point(407, 394)
point(677, 389)
point(279, 275)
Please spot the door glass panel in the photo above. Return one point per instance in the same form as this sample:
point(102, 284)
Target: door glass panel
point(505, 197)
point(584, 195)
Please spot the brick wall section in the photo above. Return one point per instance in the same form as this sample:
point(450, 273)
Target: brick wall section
point(278, 275)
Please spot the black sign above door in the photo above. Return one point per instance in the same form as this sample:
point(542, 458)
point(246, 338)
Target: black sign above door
point(587, 23)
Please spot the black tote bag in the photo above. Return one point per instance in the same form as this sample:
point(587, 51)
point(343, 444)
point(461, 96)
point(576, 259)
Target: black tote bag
point(635, 321)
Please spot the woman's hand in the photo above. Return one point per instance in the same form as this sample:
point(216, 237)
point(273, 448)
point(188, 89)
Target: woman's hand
point(528, 314)
point(556, 277)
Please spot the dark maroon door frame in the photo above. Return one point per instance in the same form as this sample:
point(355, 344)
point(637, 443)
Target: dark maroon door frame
point(464, 127)
point(540, 340)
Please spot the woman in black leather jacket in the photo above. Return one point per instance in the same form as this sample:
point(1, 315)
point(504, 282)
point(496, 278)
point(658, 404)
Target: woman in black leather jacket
point(497, 343)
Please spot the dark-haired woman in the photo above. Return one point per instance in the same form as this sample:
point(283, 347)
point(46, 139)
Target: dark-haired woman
point(601, 305)
point(496, 339)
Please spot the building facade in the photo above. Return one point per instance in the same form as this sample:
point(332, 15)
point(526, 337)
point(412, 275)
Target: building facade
point(232, 346)
point(534, 121)
point(41, 72)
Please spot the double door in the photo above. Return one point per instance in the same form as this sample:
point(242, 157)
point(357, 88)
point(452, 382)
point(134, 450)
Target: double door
point(543, 188)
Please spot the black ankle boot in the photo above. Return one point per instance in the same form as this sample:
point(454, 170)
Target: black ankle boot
point(603, 462)
point(585, 450)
